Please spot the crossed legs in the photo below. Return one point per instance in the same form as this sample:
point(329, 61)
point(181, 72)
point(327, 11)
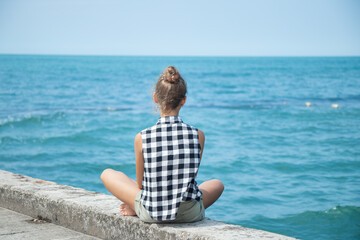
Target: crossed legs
point(122, 187)
point(126, 189)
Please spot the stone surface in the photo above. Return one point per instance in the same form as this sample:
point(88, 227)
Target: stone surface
point(97, 214)
point(14, 226)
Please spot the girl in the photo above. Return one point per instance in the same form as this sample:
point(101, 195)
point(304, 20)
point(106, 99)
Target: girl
point(167, 157)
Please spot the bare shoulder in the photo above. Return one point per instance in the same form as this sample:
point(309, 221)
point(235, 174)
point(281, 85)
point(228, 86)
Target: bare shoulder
point(138, 140)
point(201, 135)
point(138, 137)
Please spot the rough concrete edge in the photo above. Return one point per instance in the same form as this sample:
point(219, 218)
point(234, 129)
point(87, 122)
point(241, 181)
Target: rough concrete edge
point(84, 211)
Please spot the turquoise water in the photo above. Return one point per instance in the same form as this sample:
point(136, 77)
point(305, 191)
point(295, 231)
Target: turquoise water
point(287, 168)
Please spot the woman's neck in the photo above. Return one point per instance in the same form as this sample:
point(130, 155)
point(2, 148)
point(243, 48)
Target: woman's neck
point(171, 113)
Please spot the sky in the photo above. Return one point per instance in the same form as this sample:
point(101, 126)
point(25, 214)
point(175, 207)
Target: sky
point(181, 27)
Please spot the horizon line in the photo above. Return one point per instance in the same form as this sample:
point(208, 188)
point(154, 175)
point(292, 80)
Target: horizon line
point(149, 55)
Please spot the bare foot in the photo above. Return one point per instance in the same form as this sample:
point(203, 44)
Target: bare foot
point(126, 210)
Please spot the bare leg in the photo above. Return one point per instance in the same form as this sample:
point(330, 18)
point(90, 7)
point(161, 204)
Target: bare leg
point(211, 191)
point(123, 187)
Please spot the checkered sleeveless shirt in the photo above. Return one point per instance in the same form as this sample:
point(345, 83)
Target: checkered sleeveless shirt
point(171, 152)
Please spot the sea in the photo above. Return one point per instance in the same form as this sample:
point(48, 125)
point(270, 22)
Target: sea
point(282, 133)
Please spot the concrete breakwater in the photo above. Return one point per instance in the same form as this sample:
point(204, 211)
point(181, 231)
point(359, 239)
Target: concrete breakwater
point(98, 214)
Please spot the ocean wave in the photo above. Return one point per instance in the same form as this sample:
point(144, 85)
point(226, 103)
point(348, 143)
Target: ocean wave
point(270, 104)
point(312, 167)
point(254, 201)
point(222, 74)
point(350, 97)
point(40, 115)
point(339, 222)
point(92, 137)
point(29, 118)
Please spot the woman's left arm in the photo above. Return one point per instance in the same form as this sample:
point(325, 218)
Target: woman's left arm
point(139, 159)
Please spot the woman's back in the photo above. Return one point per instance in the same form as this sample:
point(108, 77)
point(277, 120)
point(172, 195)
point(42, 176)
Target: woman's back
point(171, 151)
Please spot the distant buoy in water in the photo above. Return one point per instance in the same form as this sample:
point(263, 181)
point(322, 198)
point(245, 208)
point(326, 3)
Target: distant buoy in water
point(335, 105)
point(308, 104)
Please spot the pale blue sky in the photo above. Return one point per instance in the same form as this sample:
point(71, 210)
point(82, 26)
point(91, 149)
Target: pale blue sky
point(197, 27)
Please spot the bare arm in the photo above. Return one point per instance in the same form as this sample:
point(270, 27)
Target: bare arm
point(202, 141)
point(139, 159)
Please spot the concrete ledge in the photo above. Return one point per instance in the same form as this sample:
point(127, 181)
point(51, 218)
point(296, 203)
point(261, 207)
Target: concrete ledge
point(98, 214)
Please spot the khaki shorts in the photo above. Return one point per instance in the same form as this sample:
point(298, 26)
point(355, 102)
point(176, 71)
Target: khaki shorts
point(191, 211)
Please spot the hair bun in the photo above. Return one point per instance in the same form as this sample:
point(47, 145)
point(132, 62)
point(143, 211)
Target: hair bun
point(171, 74)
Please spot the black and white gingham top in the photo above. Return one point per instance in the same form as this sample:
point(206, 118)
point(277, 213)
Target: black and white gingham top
point(171, 152)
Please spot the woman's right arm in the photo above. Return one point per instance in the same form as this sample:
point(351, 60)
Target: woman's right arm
point(139, 159)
